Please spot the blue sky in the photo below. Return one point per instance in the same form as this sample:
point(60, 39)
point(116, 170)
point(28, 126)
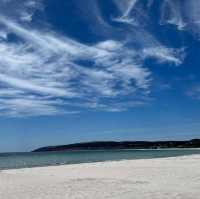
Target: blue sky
point(76, 70)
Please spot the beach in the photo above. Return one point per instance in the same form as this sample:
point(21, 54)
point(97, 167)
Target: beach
point(160, 178)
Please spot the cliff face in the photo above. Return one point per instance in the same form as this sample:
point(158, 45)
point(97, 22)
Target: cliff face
point(195, 143)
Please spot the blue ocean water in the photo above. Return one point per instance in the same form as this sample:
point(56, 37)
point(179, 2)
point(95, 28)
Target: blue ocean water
point(26, 160)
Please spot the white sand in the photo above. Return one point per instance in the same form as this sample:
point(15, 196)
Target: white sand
point(171, 178)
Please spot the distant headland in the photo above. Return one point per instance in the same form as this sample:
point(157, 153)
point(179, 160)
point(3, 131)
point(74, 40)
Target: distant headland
point(111, 145)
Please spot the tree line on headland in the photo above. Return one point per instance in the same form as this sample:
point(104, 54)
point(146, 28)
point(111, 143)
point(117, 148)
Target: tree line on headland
point(111, 145)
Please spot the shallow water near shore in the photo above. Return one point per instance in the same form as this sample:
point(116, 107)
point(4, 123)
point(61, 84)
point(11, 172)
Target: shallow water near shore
point(26, 160)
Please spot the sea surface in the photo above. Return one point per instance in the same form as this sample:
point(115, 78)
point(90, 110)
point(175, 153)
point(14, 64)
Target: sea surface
point(27, 160)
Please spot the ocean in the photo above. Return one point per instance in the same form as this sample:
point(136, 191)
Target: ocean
point(27, 160)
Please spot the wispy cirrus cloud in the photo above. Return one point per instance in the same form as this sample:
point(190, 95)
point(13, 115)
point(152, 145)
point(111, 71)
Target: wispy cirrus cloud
point(136, 14)
point(42, 64)
point(125, 7)
point(22, 10)
point(164, 54)
point(45, 73)
point(183, 14)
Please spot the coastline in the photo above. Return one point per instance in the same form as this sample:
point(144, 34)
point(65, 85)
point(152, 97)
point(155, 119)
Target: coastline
point(115, 150)
point(173, 177)
point(44, 159)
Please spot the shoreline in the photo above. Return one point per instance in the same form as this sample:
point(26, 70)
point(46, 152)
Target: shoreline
point(107, 160)
point(23, 160)
point(103, 162)
point(90, 150)
point(32, 152)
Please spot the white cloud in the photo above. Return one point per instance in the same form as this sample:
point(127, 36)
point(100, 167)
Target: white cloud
point(171, 13)
point(47, 65)
point(22, 10)
point(45, 73)
point(132, 12)
point(28, 85)
point(163, 54)
point(125, 7)
point(182, 13)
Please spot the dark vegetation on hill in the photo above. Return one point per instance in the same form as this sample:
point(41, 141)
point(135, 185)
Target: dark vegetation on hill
point(109, 145)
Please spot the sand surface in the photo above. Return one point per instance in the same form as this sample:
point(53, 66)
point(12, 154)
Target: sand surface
point(167, 178)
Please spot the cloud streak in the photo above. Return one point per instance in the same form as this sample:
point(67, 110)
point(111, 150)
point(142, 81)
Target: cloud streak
point(183, 14)
point(46, 73)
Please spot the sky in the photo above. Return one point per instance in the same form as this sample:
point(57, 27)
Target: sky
point(78, 71)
